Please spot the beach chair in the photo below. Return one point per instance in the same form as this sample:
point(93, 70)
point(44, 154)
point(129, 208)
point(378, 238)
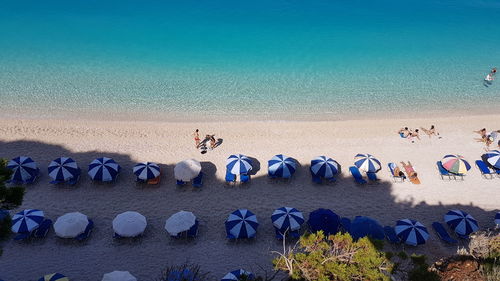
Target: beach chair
point(390, 234)
point(244, 178)
point(193, 231)
point(315, 178)
point(443, 234)
point(372, 176)
point(332, 180)
point(76, 178)
point(34, 178)
point(22, 236)
point(392, 167)
point(198, 181)
point(412, 174)
point(357, 175)
point(180, 183)
point(443, 172)
point(42, 229)
point(155, 180)
point(87, 231)
point(230, 178)
point(346, 224)
point(483, 168)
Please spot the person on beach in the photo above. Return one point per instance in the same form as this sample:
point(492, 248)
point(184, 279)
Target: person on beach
point(431, 131)
point(404, 132)
point(481, 132)
point(413, 135)
point(197, 139)
point(212, 141)
point(494, 71)
point(399, 173)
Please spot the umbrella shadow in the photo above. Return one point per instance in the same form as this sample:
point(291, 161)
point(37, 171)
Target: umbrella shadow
point(255, 166)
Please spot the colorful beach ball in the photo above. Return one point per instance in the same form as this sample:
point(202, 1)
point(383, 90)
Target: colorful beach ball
point(455, 164)
point(54, 277)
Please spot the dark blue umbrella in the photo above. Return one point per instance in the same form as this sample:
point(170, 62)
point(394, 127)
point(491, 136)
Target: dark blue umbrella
point(237, 274)
point(184, 275)
point(497, 218)
point(63, 169)
point(103, 169)
point(365, 226)
point(286, 218)
point(461, 222)
point(24, 169)
point(241, 224)
point(411, 232)
point(493, 158)
point(146, 170)
point(325, 220)
point(325, 167)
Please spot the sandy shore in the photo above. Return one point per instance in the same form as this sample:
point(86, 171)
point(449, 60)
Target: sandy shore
point(169, 143)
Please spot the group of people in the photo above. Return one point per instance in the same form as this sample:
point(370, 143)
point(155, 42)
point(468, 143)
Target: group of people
point(410, 134)
point(490, 77)
point(488, 139)
point(202, 144)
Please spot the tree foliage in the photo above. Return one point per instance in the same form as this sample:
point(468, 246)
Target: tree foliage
point(334, 258)
point(10, 197)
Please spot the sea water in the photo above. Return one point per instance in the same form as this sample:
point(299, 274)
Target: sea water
point(246, 60)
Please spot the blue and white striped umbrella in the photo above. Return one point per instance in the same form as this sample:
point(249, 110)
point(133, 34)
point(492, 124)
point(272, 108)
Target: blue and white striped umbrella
point(241, 224)
point(287, 218)
point(27, 220)
point(461, 222)
point(497, 219)
point(239, 164)
point(282, 166)
point(237, 274)
point(367, 163)
point(324, 167)
point(411, 232)
point(104, 169)
point(63, 169)
point(146, 170)
point(24, 169)
point(493, 157)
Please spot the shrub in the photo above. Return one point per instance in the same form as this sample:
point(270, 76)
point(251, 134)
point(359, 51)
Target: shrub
point(402, 255)
point(5, 225)
point(336, 257)
point(389, 255)
point(420, 271)
point(184, 272)
point(14, 195)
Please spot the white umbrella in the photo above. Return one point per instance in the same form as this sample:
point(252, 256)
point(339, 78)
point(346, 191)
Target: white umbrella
point(180, 222)
point(187, 170)
point(71, 225)
point(118, 276)
point(129, 224)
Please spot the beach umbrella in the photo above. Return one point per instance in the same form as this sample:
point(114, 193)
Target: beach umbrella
point(455, 164)
point(282, 166)
point(497, 218)
point(24, 169)
point(71, 225)
point(325, 220)
point(367, 163)
point(129, 224)
point(237, 274)
point(493, 158)
point(63, 169)
point(146, 170)
point(363, 226)
point(241, 224)
point(461, 222)
point(104, 169)
point(287, 218)
point(180, 222)
point(187, 170)
point(118, 276)
point(324, 167)
point(27, 221)
point(411, 232)
point(184, 275)
point(54, 277)
point(238, 164)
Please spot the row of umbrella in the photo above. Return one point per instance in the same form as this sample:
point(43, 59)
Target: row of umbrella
point(242, 223)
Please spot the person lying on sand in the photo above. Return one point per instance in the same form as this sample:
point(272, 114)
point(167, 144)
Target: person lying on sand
point(431, 131)
point(404, 132)
point(413, 135)
point(481, 132)
point(412, 175)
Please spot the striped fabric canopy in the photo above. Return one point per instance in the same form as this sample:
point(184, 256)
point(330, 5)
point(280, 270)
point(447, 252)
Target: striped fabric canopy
point(24, 169)
point(146, 170)
point(238, 164)
point(237, 274)
point(63, 169)
point(411, 232)
point(461, 222)
point(282, 166)
point(455, 164)
point(325, 167)
point(287, 219)
point(104, 169)
point(27, 220)
point(497, 218)
point(493, 158)
point(241, 224)
point(54, 277)
point(367, 163)
point(325, 220)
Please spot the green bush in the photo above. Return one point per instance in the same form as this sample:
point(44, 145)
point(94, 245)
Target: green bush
point(334, 258)
point(389, 255)
point(420, 270)
point(9, 196)
point(5, 225)
point(402, 255)
point(14, 195)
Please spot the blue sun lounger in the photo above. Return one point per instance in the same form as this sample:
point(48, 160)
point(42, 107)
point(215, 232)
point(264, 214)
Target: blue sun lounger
point(244, 178)
point(346, 224)
point(230, 178)
point(198, 181)
point(372, 176)
point(443, 172)
point(87, 231)
point(357, 175)
point(22, 236)
point(43, 229)
point(180, 183)
point(390, 234)
point(485, 171)
point(391, 167)
point(315, 178)
point(443, 234)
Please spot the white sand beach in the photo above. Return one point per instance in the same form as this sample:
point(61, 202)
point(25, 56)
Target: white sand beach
point(168, 143)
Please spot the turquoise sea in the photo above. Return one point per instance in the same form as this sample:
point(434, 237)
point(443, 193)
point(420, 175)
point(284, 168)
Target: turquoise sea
point(239, 60)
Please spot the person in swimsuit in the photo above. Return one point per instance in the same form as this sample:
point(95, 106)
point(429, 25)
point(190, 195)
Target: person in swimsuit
point(196, 135)
point(404, 132)
point(431, 131)
point(494, 71)
point(413, 135)
point(212, 141)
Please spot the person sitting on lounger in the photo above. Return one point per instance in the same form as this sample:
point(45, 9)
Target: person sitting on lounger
point(399, 173)
point(404, 132)
point(431, 131)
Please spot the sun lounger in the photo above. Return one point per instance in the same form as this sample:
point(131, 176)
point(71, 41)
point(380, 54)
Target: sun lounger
point(332, 179)
point(230, 177)
point(155, 180)
point(372, 176)
point(483, 168)
point(244, 178)
point(443, 234)
point(443, 172)
point(357, 175)
point(198, 181)
point(181, 183)
point(392, 167)
point(412, 174)
point(22, 236)
point(193, 231)
point(87, 231)
point(346, 224)
point(74, 180)
point(315, 178)
point(42, 229)
point(390, 234)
